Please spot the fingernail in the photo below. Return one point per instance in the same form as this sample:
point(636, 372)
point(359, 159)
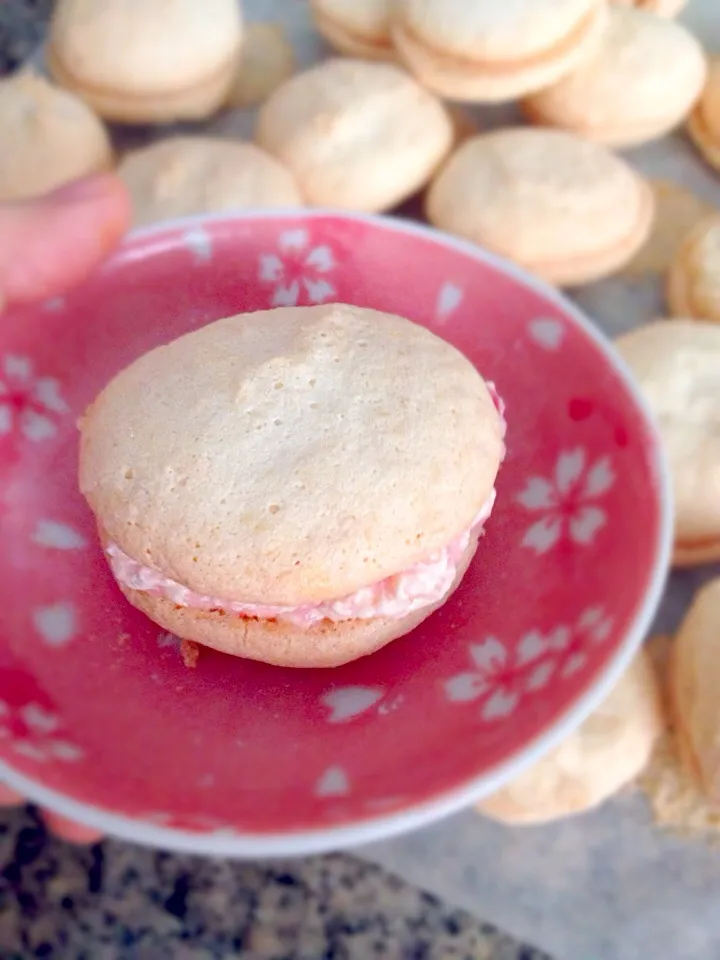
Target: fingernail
point(80, 191)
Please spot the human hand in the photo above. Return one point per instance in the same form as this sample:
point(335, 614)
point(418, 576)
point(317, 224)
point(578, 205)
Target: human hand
point(46, 246)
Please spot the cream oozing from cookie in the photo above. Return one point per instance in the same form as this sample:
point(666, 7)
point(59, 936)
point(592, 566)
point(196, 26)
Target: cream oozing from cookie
point(425, 583)
point(393, 598)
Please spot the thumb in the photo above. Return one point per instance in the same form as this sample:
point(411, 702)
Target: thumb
point(49, 244)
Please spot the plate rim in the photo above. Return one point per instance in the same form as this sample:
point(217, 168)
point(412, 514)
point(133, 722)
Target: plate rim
point(306, 842)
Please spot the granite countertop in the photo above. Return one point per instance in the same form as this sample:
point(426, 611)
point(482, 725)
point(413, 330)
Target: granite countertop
point(113, 901)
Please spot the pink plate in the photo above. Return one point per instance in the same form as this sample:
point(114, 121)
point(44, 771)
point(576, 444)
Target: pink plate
point(100, 719)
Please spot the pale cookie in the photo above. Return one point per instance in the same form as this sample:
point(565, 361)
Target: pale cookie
point(49, 136)
point(639, 84)
point(693, 283)
point(262, 485)
point(677, 366)
point(490, 51)
point(357, 28)
point(146, 62)
point(662, 8)
point(694, 677)
point(183, 176)
point(704, 122)
point(677, 212)
point(606, 752)
point(563, 207)
point(266, 61)
point(356, 134)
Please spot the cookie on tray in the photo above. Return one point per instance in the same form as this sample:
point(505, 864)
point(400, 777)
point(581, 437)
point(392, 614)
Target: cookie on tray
point(265, 61)
point(491, 50)
point(693, 282)
point(704, 122)
point(146, 62)
point(356, 134)
point(640, 84)
point(677, 367)
point(49, 138)
point(182, 176)
point(357, 28)
point(560, 205)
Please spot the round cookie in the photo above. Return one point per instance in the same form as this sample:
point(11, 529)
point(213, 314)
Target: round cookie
point(693, 684)
point(490, 51)
point(677, 212)
point(606, 752)
point(261, 486)
point(662, 8)
point(677, 366)
point(146, 62)
point(704, 122)
point(183, 176)
point(639, 84)
point(357, 28)
point(50, 138)
point(357, 135)
point(562, 206)
point(266, 60)
point(693, 282)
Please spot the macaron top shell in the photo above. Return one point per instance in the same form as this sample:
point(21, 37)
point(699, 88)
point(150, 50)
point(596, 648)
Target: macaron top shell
point(182, 176)
point(145, 47)
point(709, 103)
point(291, 456)
point(493, 29)
point(694, 276)
point(543, 197)
point(644, 77)
point(677, 364)
point(50, 138)
point(356, 134)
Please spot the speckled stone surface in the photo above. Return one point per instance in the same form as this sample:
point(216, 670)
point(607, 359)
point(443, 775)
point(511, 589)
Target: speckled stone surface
point(113, 901)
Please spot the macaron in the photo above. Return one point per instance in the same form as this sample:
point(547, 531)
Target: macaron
point(677, 212)
point(694, 676)
point(185, 175)
point(265, 61)
point(146, 62)
point(357, 28)
point(51, 137)
point(606, 752)
point(693, 282)
point(662, 8)
point(489, 51)
point(560, 205)
point(298, 486)
point(677, 366)
point(639, 84)
point(356, 134)
point(704, 122)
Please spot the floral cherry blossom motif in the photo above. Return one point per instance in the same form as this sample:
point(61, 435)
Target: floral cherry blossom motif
point(567, 502)
point(497, 678)
point(34, 731)
point(28, 403)
point(298, 272)
point(593, 626)
point(347, 703)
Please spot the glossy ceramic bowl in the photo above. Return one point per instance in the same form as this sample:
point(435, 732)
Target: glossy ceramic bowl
point(100, 719)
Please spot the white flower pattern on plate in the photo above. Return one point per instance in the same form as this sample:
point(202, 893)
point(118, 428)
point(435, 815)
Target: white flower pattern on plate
point(498, 679)
point(298, 271)
point(347, 703)
point(33, 731)
point(28, 403)
point(567, 502)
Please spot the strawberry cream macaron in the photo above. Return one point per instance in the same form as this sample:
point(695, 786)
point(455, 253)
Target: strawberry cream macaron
point(298, 486)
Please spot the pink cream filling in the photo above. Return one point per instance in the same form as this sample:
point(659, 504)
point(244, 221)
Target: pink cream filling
point(393, 598)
